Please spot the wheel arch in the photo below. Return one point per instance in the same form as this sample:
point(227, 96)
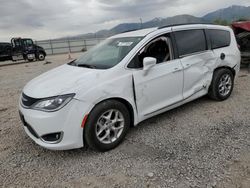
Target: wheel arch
point(41, 52)
point(227, 67)
point(126, 103)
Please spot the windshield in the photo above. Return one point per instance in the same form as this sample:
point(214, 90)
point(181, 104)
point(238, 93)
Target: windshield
point(108, 53)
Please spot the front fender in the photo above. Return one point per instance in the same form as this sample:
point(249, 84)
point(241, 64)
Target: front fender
point(117, 88)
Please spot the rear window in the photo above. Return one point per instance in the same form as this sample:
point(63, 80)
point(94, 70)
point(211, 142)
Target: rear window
point(219, 38)
point(190, 41)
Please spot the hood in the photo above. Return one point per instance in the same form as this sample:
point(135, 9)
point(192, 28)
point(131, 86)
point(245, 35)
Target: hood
point(62, 80)
point(38, 47)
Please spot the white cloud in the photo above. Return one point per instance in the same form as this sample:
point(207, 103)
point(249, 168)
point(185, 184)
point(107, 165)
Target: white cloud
point(50, 18)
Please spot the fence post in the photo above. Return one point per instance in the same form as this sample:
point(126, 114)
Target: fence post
point(69, 45)
point(85, 45)
point(51, 47)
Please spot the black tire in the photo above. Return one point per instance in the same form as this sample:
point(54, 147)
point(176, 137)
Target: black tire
point(214, 87)
point(90, 135)
point(41, 56)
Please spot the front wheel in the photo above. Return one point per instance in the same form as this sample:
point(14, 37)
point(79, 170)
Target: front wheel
point(107, 125)
point(41, 56)
point(222, 84)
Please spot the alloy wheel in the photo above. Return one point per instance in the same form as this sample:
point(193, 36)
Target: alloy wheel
point(225, 85)
point(109, 126)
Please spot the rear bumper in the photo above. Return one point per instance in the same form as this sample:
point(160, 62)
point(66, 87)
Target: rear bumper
point(66, 121)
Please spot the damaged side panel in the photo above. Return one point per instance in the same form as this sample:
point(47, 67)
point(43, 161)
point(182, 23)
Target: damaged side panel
point(198, 73)
point(121, 87)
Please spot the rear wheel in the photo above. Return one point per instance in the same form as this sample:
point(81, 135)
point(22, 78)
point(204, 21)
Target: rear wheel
point(222, 84)
point(107, 125)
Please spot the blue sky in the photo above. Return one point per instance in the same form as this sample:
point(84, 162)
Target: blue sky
point(44, 19)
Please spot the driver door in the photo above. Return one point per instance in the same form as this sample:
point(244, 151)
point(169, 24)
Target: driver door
point(162, 86)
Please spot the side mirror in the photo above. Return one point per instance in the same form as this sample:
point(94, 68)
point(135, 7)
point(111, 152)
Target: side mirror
point(148, 63)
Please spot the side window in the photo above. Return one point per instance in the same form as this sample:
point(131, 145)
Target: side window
point(28, 42)
point(219, 38)
point(158, 48)
point(190, 41)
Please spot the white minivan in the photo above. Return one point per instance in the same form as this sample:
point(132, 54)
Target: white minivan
point(130, 77)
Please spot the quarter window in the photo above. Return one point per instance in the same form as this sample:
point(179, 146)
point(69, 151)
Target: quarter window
point(219, 38)
point(190, 41)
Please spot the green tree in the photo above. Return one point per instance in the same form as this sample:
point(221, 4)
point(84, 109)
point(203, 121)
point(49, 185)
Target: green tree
point(222, 22)
point(242, 20)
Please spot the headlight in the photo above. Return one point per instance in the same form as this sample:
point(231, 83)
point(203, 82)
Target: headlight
point(53, 103)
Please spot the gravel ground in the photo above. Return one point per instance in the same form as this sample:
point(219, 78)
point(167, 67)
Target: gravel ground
point(201, 144)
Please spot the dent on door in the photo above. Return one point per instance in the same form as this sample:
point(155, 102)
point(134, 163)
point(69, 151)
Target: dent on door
point(198, 73)
point(160, 88)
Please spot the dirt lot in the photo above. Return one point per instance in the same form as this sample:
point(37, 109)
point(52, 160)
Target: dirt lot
point(201, 144)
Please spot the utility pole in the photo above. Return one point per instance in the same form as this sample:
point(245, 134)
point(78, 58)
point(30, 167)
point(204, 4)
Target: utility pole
point(141, 22)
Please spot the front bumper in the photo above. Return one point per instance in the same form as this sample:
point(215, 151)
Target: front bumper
point(66, 121)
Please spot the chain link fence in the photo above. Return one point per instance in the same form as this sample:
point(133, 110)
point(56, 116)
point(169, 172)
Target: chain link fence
point(68, 45)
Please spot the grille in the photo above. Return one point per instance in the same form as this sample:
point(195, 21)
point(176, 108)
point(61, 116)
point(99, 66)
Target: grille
point(28, 101)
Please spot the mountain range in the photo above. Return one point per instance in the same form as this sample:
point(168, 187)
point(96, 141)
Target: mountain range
point(228, 14)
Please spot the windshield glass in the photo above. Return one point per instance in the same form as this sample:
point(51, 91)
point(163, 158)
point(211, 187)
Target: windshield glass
point(108, 53)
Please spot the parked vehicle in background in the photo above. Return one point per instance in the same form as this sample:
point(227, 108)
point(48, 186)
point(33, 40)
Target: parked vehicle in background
point(242, 32)
point(5, 51)
point(130, 77)
point(21, 49)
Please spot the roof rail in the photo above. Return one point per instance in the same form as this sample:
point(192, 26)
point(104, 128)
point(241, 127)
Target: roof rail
point(173, 25)
point(130, 30)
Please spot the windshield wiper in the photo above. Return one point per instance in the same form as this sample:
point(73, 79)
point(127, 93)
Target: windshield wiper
point(87, 66)
point(72, 62)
